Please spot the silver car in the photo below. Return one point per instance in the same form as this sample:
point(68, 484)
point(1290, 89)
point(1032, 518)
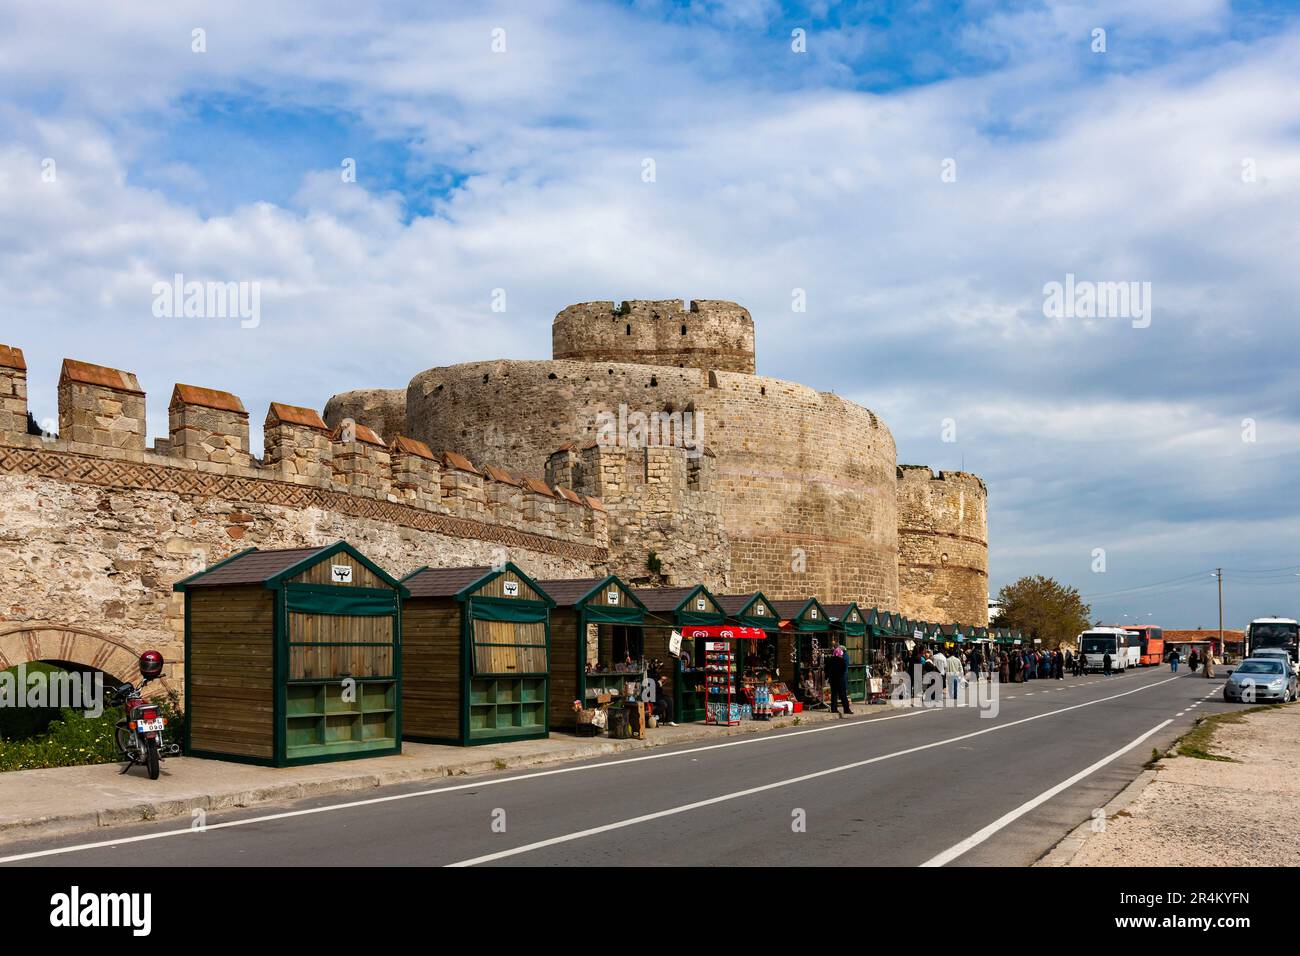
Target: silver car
point(1260, 679)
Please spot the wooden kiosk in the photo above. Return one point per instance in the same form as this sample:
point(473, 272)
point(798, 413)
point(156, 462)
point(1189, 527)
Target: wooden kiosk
point(476, 657)
point(674, 608)
point(849, 625)
point(596, 619)
point(293, 656)
point(803, 622)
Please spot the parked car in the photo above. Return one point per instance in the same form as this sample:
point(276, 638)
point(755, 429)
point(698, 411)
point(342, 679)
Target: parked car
point(1280, 653)
point(1259, 679)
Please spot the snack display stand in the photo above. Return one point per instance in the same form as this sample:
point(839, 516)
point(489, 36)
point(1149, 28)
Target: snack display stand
point(719, 681)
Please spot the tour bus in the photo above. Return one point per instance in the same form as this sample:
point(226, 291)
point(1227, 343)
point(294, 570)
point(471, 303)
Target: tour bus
point(1097, 642)
point(1151, 643)
point(1274, 632)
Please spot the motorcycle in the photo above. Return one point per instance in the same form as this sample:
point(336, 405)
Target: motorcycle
point(139, 735)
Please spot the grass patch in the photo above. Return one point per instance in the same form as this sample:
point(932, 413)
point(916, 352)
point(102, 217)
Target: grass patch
point(1198, 742)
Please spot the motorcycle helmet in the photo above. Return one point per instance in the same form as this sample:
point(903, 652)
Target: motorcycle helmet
point(151, 665)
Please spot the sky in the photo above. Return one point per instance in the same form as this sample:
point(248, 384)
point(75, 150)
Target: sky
point(920, 172)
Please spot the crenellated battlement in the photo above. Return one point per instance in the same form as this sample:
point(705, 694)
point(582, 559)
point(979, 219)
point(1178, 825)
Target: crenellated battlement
point(664, 514)
point(705, 334)
point(924, 473)
point(102, 414)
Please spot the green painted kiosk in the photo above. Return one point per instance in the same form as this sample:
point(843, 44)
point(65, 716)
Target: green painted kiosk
point(477, 655)
point(670, 609)
point(598, 621)
point(293, 656)
point(851, 626)
point(803, 622)
point(759, 657)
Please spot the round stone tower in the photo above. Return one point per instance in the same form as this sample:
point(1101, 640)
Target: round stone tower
point(709, 334)
point(943, 550)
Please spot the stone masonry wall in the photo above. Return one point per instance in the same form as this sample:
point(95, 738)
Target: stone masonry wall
point(94, 532)
point(661, 502)
point(943, 557)
point(707, 334)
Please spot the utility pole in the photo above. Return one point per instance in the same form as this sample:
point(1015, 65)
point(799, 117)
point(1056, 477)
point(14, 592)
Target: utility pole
point(1223, 648)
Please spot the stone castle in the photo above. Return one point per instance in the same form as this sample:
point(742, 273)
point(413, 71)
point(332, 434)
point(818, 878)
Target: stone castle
point(791, 491)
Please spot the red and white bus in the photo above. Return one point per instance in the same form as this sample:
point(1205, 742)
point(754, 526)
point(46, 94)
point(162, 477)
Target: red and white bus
point(1151, 643)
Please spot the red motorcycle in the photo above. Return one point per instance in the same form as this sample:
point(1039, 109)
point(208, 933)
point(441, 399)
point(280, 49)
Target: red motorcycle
point(139, 734)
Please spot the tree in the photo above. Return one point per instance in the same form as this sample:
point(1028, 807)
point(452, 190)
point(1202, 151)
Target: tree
point(1043, 608)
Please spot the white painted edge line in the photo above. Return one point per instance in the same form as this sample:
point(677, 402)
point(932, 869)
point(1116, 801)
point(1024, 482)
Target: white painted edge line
point(975, 839)
point(434, 791)
point(723, 798)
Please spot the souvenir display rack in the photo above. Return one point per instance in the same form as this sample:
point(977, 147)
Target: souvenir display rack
point(719, 682)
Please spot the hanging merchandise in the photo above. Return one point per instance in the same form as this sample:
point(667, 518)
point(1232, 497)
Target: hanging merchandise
point(719, 678)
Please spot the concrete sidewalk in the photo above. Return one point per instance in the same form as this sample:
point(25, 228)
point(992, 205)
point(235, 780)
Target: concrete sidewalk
point(70, 799)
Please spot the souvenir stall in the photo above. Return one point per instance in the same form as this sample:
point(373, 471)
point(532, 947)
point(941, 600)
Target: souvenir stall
point(849, 626)
point(293, 656)
point(808, 626)
point(760, 660)
point(674, 609)
point(598, 656)
point(718, 647)
point(475, 655)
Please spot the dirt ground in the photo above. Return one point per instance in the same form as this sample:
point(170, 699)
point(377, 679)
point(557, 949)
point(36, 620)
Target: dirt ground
point(1214, 813)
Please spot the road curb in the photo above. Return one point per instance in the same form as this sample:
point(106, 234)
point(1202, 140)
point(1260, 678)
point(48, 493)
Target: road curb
point(1064, 852)
point(287, 792)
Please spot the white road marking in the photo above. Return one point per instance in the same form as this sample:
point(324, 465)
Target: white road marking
point(839, 725)
point(980, 836)
point(803, 778)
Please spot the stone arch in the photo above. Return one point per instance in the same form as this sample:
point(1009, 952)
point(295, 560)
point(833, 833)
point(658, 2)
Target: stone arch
point(28, 641)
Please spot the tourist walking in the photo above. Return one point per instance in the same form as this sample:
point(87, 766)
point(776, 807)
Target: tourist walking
point(1193, 660)
point(1004, 669)
point(954, 674)
point(1173, 661)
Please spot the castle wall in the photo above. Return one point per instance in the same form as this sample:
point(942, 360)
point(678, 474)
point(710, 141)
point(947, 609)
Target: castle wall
point(94, 533)
point(943, 558)
point(706, 334)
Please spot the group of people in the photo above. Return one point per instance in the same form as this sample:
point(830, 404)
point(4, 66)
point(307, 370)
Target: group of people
point(1014, 666)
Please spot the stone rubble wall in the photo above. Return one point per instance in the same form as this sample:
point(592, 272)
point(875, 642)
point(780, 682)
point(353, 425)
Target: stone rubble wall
point(943, 556)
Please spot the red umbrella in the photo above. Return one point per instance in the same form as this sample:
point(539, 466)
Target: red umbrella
point(726, 632)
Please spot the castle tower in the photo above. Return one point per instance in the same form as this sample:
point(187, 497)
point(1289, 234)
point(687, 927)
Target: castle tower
point(708, 334)
point(943, 551)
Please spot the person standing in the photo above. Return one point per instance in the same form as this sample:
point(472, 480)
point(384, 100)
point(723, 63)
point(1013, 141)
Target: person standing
point(954, 674)
point(835, 667)
point(1193, 660)
point(1209, 663)
point(1105, 664)
point(1173, 661)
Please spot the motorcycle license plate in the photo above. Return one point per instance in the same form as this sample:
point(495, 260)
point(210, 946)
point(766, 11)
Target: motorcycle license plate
point(147, 726)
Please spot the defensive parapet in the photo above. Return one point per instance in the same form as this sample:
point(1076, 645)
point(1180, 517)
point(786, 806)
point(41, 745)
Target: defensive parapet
point(348, 468)
point(943, 548)
point(707, 334)
point(664, 515)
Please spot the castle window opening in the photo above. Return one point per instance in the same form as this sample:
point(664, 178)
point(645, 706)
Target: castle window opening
point(554, 376)
point(629, 329)
point(683, 330)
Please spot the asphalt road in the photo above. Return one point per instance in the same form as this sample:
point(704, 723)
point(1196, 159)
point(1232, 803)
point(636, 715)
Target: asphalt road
point(900, 787)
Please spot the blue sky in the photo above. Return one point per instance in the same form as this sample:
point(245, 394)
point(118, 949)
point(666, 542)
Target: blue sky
point(775, 171)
